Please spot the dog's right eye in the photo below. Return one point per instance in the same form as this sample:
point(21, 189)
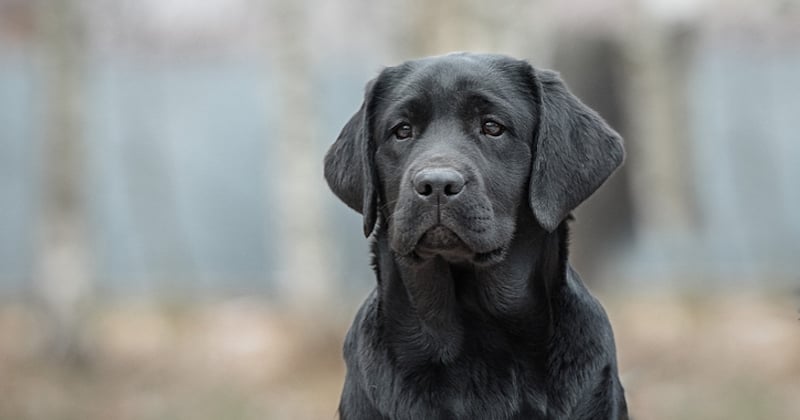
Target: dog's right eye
point(403, 131)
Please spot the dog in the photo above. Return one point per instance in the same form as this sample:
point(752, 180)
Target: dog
point(466, 168)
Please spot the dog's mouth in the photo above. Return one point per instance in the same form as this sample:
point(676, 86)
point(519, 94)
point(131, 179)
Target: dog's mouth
point(442, 241)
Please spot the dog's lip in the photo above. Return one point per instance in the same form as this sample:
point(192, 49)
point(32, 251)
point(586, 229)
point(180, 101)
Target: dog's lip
point(441, 240)
point(491, 257)
point(440, 237)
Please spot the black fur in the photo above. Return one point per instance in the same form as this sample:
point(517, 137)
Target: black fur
point(477, 313)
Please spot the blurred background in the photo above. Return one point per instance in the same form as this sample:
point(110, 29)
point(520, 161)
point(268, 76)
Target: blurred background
point(169, 248)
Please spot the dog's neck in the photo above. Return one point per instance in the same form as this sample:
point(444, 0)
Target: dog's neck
point(431, 306)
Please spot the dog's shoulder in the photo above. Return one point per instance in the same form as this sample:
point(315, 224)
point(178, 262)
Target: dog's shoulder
point(582, 365)
point(362, 327)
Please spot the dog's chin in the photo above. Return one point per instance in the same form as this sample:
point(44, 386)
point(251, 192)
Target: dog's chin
point(439, 241)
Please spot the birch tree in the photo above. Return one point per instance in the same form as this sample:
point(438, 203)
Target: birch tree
point(62, 275)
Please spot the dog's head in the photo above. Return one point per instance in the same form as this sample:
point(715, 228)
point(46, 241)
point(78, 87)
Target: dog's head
point(445, 149)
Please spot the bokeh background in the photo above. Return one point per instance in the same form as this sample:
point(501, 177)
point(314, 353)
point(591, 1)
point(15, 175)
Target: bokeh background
point(169, 248)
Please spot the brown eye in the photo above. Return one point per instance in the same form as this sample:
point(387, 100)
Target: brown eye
point(492, 128)
point(403, 131)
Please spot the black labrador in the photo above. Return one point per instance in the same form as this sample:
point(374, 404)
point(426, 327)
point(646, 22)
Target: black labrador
point(465, 168)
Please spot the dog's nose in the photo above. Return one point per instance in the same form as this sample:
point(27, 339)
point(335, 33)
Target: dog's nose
point(443, 183)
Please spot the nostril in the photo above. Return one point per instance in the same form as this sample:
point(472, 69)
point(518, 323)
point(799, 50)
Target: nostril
point(455, 187)
point(426, 190)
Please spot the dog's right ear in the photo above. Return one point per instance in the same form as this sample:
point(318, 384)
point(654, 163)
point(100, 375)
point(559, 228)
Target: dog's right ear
point(349, 167)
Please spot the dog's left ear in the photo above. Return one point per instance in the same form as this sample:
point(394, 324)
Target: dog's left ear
point(575, 151)
point(349, 168)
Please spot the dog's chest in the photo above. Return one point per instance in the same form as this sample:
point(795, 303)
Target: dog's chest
point(482, 388)
point(496, 376)
point(487, 398)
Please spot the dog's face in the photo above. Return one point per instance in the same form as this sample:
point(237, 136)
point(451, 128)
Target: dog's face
point(449, 149)
point(453, 156)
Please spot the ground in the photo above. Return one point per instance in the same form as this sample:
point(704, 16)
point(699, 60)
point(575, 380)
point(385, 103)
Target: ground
point(681, 357)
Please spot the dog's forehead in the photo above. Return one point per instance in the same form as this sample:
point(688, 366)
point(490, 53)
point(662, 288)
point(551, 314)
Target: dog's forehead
point(445, 76)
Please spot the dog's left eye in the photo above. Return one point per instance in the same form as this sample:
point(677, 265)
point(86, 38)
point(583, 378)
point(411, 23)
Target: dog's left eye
point(403, 131)
point(492, 128)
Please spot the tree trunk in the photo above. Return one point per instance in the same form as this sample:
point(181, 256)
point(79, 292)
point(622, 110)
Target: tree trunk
point(62, 275)
point(304, 277)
